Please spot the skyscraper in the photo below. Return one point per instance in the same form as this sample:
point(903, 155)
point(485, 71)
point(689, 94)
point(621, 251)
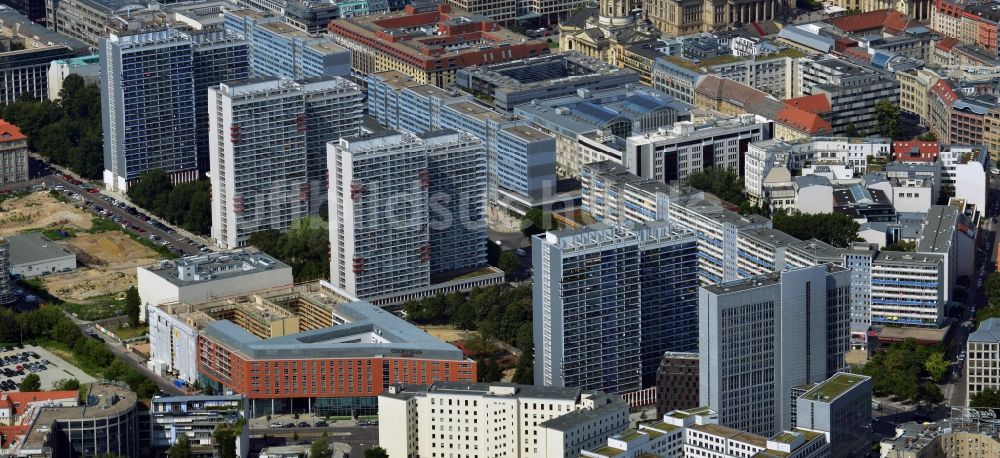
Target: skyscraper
point(266, 133)
point(762, 336)
point(147, 102)
point(403, 208)
point(609, 301)
point(154, 100)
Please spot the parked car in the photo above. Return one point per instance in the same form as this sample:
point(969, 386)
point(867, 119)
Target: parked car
point(303, 424)
point(320, 423)
point(275, 425)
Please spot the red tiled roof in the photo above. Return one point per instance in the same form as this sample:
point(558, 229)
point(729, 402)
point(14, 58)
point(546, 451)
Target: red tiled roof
point(891, 21)
point(803, 120)
point(10, 433)
point(730, 90)
point(20, 400)
point(946, 43)
point(858, 54)
point(817, 103)
point(10, 132)
point(915, 151)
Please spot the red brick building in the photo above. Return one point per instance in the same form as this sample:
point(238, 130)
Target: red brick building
point(339, 370)
point(429, 43)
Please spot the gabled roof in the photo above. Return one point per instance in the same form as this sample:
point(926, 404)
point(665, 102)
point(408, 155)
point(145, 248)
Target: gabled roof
point(10, 132)
point(817, 103)
point(730, 90)
point(802, 120)
point(19, 401)
point(910, 151)
point(889, 21)
point(946, 43)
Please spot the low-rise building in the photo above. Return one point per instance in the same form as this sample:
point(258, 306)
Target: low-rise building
point(197, 417)
point(204, 277)
point(496, 419)
point(15, 405)
point(841, 407)
point(32, 254)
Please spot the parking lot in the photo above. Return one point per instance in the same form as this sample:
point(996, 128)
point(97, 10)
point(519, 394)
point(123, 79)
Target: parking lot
point(49, 373)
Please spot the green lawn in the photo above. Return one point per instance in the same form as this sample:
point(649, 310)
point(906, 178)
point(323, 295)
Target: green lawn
point(98, 308)
point(127, 332)
point(61, 350)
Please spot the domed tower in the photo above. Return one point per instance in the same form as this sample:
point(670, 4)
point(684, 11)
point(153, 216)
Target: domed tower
point(616, 12)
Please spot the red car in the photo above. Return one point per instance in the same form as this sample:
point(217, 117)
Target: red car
point(93, 190)
point(67, 177)
point(139, 229)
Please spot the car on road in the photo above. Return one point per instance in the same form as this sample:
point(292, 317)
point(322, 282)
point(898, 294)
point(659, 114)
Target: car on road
point(93, 190)
point(139, 229)
point(303, 424)
point(275, 425)
point(154, 237)
point(289, 425)
point(320, 423)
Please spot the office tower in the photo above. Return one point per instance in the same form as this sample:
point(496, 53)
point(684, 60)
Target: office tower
point(264, 133)
point(609, 301)
point(147, 102)
point(218, 58)
point(762, 336)
point(841, 406)
point(403, 208)
point(154, 100)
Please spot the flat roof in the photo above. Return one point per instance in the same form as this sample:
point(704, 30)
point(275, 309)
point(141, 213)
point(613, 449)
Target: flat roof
point(527, 133)
point(731, 434)
point(394, 337)
point(835, 386)
point(938, 230)
point(603, 403)
point(104, 400)
point(207, 267)
point(772, 237)
point(33, 247)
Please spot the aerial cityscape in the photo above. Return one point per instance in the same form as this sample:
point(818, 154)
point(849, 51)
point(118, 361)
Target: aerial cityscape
point(606, 228)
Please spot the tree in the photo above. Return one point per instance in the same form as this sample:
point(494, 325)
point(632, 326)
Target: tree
point(901, 245)
point(225, 439)
point(321, 449)
point(834, 228)
point(991, 288)
point(508, 263)
point(936, 366)
point(304, 247)
point(537, 221)
point(132, 306)
point(852, 131)
point(31, 382)
point(988, 398)
point(887, 118)
point(489, 371)
point(180, 449)
point(928, 137)
point(726, 184)
point(66, 384)
point(376, 452)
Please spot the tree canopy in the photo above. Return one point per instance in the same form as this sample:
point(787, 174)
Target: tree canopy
point(66, 131)
point(726, 184)
point(181, 448)
point(986, 398)
point(187, 205)
point(887, 118)
point(537, 221)
point(900, 370)
point(321, 449)
point(132, 306)
point(833, 228)
point(376, 452)
point(31, 382)
point(304, 247)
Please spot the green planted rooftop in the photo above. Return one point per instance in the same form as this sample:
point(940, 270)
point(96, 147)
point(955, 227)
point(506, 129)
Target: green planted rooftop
point(785, 437)
point(834, 387)
point(660, 426)
point(679, 415)
point(630, 435)
point(608, 450)
point(703, 410)
point(809, 435)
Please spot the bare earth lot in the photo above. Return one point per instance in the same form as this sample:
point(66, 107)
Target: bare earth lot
point(107, 259)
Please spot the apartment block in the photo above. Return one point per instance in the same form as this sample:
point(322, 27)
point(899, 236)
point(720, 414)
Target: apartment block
point(383, 237)
point(671, 155)
point(717, 230)
point(840, 406)
point(613, 195)
point(602, 281)
point(762, 319)
point(496, 419)
point(218, 57)
point(761, 251)
point(983, 352)
point(279, 49)
point(677, 382)
point(197, 417)
point(257, 183)
point(906, 289)
point(13, 155)
point(400, 102)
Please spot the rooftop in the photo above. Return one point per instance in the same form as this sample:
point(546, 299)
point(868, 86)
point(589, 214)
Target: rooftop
point(607, 450)
point(988, 331)
point(215, 266)
point(366, 331)
point(731, 434)
point(10, 132)
point(939, 229)
point(834, 386)
point(33, 247)
point(528, 134)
